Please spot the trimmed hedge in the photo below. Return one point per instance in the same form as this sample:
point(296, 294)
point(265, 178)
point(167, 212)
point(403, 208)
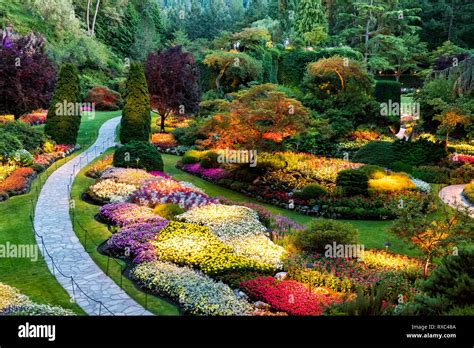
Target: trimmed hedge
point(138, 154)
point(386, 90)
point(353, 182)
point(136, 118)
point(61, 126)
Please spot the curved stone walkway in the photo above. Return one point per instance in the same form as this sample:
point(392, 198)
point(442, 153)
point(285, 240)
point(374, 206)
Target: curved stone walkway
point(452, 195)
point(52, 222)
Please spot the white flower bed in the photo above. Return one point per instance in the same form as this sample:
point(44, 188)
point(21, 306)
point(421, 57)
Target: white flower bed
point(110, 190)
point(196, 292)
point(421, 185)
point(239, 228)
point(129, 176)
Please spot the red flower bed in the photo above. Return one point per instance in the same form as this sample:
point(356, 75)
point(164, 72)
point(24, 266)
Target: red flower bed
point(17, 181)
point(289, 296)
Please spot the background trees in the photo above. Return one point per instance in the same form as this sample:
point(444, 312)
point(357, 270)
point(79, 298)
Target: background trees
point(64, 116)
point(173, 82)
point(27, 75)
point(136, 119)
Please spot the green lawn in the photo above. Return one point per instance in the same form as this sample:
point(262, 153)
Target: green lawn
point(33, 278)
point(98, 233)
point(372, 234)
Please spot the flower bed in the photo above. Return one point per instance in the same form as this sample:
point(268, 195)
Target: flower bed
point(96, 170)
point(34, 118)
point(197, 293)
point(211, 174)
point(163, 140)
point(170, 191)
point(134, 241)
point(18, 182)
point(468, 192)
point(122, 214)
point(131, 176)
point(193, 245)
point(290, 296)
point(462, 159)
point(109, 190)
point(239, 228)
point(10, 296)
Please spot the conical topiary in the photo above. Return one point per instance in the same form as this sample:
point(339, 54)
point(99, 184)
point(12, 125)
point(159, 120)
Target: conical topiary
point(136, 119)
point(64, 114)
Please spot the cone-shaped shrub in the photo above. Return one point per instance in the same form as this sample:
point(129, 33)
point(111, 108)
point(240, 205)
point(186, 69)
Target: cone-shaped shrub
point(64, 114)
point(136, 119)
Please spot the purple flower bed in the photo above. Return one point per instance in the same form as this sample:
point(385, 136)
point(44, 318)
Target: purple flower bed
point(212, 174)
point(160, 174)
point(122, 214)
point(134, 241)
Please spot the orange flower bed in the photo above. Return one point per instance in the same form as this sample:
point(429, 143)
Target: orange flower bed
point(17, 181)
point(164, 140)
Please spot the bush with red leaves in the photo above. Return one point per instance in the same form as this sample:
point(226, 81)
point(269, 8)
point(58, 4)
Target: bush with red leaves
point(104, 99)
point(289, 296)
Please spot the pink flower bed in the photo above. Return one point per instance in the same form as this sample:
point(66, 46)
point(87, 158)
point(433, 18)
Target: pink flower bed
point(122, 214)
point(463, 159)
point(213, 174)
point(289, 296)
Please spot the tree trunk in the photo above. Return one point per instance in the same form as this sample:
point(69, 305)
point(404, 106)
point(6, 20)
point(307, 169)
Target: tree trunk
point(219, 77)
point(162, 124)
point(87, 17)
point(447, 140)
point(95, 17)
point(451, 21)
point(425, 267)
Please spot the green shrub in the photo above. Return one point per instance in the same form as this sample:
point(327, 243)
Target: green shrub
point(22, 158)
point(168, 211)
point(386, 90)
point(372, 171)
point(138, 154)
point(432, 174)
point(419, 153)
point(268, 162)
point(353, 182)
point(9, 143)
point(136, 118)
point(376, 152)
point(209, 160)
point(322, 232)
point(400, 166)
point(61, 126)
point(30, 137)
point(311, 191)
point(191, 157)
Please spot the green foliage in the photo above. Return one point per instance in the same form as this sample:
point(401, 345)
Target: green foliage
point(136, 119)
point(210, 160)
point(365, 304)
point(62, 123)
point(311, 191)
point(372, 171)
point(168, 211)
point(9, 143)
point(191, 157)
point(310, 17)
point(353, 182)
point(322, 232)
point(138, 154)
point(420, 152)
point(386, 90)
point(468, 192)
point(30, 138)
point(377, 152)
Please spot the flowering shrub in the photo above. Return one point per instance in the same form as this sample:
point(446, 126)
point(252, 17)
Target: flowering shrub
point(21, 158)
point(34, 118)
point(462, 148)
point(96, 170)
point(6, 118)
point(290, 296)
point(109, 190)
point(421, 185)
point(462, 158)
point(163, 140)
point(122, 214)
point(387, 261)
point(35, 309)
point(239, 228)
point(392, 182)
point(364, 136)
point(5, 171)
point(131, 176)
point(193, 245)
point(134, 241)
point(17, 182)
point(9, 296)
point(196, 292)
point(170, 191)
point(53, 154)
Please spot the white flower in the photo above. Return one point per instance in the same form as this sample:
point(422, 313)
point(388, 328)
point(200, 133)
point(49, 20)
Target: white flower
point(421, 185)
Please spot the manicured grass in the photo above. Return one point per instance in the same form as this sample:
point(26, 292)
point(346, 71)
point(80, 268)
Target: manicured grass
point(33, 278)
point(372, 234)
point(98, 233)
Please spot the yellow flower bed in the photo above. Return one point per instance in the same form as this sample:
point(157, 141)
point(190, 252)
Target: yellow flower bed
point(193, 245)
point(393, 182)
point(10, 296)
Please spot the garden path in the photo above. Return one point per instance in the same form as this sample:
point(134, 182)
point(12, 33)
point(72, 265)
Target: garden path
point(452, 195)
point(52, 222)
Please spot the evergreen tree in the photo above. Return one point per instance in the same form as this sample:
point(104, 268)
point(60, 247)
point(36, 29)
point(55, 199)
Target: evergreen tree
point(136, 119)
point(310, 20)
point(64, 116)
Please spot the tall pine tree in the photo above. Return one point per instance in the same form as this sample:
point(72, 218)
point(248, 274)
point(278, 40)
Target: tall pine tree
point(310, 20)
point(64, 115)
point(136, 119)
